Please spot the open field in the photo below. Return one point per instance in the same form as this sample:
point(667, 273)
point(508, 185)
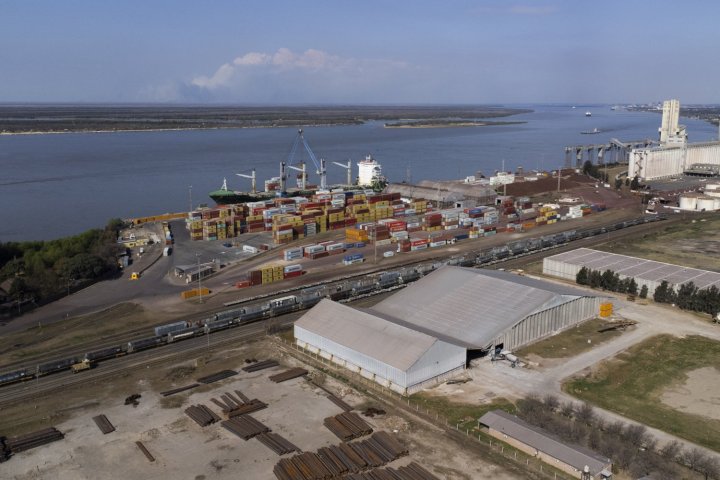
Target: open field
point(571, 342)
point(693, 243)
point(637, 382)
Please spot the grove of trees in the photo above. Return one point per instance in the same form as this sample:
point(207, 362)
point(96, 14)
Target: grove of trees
point(687, 297)
point(42, 270)
point(630, 447)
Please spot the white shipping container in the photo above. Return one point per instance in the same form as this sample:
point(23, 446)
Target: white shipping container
point(292, 268)
point(335, 246)
point(400, 235)
point(419, 247)
point(314, 249)
point(250, 249)
point(439, 243)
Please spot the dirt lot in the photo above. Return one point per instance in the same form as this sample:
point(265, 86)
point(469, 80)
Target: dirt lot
point(184, 450)
point(698, 395)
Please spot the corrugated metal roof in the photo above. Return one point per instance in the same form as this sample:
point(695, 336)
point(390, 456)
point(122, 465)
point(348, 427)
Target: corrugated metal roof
point(470, 307)
point(573, 455)
point(392, 344)
point(639, 268)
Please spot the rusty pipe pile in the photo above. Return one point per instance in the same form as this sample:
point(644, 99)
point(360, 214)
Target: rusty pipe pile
point(145, 451)
point(245, 427)
point(344, 406)
point(339, 460)
point(234, 406)
point(288, 375)
point(217, 376)
point(411, 472)
point(103, 424)
point(257, 366)
point(252, 406)
point(347, 426)
point(21, 443)
point(179, 389)
point(277, 443)
point(202, 415)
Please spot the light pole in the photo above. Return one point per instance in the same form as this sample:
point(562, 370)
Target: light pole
point(199, 274)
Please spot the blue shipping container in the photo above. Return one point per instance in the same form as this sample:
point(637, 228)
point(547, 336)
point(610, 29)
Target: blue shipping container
point(360, 244)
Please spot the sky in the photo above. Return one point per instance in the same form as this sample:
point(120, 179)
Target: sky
point(359, 52)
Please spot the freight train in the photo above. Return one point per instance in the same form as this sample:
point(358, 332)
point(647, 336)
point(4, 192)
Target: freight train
point(309, 297)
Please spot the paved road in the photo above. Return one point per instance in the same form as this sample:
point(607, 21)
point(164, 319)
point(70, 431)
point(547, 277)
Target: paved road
point(501, 379)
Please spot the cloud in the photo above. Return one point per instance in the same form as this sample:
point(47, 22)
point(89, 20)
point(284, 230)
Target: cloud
point(289, 76)
point(284, 60)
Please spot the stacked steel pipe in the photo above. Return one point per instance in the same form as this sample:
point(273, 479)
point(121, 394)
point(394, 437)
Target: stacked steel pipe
point(145, 451)
point(411, 472)
point(103, 424)
point(339, 460)
point(216, 377)
point(202, 415)
point(288, 375)
point(257, 366)
point(21, 443)
point(240, 404)
point(252, 406)
point(245, 427)
point(347, 426)
point(276, 443)
point(179, 389)
point(339, 403)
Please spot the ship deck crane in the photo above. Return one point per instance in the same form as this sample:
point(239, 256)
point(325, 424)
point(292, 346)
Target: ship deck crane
point(319, 165)
point(349, 170)
point(251, 177)
point(303, 178)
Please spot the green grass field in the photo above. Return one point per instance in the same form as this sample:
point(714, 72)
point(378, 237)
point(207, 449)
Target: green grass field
point(463, 414)
point(632, 384)
point(572, 341)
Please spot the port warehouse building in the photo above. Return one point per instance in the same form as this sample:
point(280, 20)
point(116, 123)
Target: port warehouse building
point(537, 442)
point(645, 272)
point(428, 331)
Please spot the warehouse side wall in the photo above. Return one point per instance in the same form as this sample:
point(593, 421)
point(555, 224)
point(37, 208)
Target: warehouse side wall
point(550, 321)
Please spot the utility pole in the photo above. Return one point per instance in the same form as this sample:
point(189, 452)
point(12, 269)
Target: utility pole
point(199, 277)
point(559, 172)
point(190, 195)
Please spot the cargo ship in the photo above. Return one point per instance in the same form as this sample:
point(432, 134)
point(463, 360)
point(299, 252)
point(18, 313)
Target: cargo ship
point(224, 196)
point(591, 132)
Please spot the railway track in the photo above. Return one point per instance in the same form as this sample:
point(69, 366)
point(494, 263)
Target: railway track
point(12, 394)
point(468, 255)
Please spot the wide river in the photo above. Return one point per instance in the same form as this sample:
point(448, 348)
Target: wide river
point(53, 185)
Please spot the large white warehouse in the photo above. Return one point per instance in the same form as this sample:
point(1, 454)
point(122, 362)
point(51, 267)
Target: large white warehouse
point(392, 355)
point(645, 272)
point(422, 334)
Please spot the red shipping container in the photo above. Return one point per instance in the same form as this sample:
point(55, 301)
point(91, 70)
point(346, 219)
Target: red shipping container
point(243, 284)
point(292, 274)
